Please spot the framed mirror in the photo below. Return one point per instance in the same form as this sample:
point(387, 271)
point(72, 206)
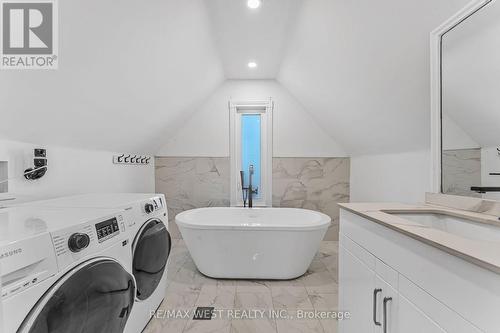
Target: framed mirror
point(468, 79)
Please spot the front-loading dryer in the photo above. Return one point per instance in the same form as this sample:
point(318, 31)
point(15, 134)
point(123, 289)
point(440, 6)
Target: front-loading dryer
point(65, 270)
point(151, 244)
point(150, 252)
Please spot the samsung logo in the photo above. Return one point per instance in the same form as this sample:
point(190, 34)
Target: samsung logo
point(10, 253)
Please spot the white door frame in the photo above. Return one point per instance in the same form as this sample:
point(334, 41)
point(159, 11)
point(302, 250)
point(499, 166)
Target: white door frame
point(236, 109)
point(436, 84)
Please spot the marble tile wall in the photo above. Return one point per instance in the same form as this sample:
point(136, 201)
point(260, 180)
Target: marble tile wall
point(461, 170)
point(192, 182)
point(311, 183)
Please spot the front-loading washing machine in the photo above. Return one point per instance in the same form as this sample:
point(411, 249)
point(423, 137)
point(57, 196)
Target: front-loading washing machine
point(65, 270)
point(151, 244)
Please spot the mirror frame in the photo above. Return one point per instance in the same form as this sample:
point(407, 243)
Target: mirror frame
point(436, 85)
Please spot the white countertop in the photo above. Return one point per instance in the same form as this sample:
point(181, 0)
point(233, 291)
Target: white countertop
point(479, 252)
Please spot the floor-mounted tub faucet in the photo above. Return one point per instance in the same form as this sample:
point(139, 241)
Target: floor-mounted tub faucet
point(248, 192)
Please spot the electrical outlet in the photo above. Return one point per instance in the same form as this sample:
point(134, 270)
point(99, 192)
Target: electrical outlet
point(40, 152)
point(40, 165)
point(40, 162)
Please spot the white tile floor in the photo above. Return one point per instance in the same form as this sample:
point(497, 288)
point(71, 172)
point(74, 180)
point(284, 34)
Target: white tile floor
point(188, 289)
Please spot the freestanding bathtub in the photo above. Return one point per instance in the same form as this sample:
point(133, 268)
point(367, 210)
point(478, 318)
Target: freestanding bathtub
point(256, 243)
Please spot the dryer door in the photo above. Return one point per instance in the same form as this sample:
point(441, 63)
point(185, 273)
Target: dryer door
point(151, 250)
point(96, 296)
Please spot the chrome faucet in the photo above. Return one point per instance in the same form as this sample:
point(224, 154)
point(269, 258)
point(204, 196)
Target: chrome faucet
point(249, 191)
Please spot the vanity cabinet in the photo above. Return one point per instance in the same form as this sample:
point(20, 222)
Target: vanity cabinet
point(390, 282)
point(376, 304)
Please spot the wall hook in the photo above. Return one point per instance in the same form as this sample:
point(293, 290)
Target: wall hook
point(130, 159)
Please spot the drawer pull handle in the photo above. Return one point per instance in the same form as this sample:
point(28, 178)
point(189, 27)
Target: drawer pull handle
point(375, 293)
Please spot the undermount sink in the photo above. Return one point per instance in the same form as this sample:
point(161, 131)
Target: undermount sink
point(451, 224)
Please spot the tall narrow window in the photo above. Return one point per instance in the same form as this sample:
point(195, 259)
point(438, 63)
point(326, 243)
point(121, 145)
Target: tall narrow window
point(251, 147)
point(251, 150)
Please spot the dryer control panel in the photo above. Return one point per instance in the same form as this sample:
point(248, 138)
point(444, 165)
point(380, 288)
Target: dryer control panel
point(153, 205)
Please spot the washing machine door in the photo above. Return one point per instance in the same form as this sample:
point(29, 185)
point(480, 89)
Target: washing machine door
point(151, 250)
point(95, 297)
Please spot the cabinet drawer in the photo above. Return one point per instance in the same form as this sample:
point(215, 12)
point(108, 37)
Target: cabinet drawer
point(359, 252)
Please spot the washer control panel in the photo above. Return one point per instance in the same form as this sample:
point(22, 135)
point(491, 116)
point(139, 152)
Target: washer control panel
point(107, 229)
point(76, 242)
point(64, 240)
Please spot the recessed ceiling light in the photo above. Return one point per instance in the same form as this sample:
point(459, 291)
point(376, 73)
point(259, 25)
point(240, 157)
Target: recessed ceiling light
point(254, 4)
point(252, 64)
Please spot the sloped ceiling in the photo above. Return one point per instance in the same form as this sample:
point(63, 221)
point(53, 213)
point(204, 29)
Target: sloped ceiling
point(295, 133)
point(362, 69)
point(129, 72)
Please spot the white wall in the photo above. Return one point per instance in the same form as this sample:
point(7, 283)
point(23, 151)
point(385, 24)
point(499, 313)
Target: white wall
point(402, 177)
point(295, 132)
point(72, 171)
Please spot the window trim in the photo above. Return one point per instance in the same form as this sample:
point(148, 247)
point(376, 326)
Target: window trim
point(236, 109)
